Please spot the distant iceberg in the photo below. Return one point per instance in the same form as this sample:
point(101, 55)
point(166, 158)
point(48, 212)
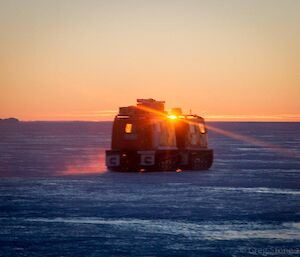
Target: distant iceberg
point(9, 121)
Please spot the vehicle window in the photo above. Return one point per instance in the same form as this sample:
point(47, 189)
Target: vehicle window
point(167, 135)
point(192, 129)
point(193, 135)
point(128, 128)
point(202, 128)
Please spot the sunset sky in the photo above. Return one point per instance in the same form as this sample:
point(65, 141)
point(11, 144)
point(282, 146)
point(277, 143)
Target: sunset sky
point(81, 60)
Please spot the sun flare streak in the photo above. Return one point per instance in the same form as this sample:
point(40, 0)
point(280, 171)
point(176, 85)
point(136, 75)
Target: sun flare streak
point(254, 141)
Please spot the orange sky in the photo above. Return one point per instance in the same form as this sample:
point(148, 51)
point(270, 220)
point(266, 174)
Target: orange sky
point(81, 60)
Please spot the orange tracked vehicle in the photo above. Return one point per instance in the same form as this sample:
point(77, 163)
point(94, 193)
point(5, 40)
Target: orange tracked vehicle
point(147, 138)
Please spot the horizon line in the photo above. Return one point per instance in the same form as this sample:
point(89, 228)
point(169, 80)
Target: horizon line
point(206, 120)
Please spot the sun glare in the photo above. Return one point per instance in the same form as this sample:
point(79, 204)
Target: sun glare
point(172, 117)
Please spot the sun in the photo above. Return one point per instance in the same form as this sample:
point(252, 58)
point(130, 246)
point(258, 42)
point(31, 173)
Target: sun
point(172, 117)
